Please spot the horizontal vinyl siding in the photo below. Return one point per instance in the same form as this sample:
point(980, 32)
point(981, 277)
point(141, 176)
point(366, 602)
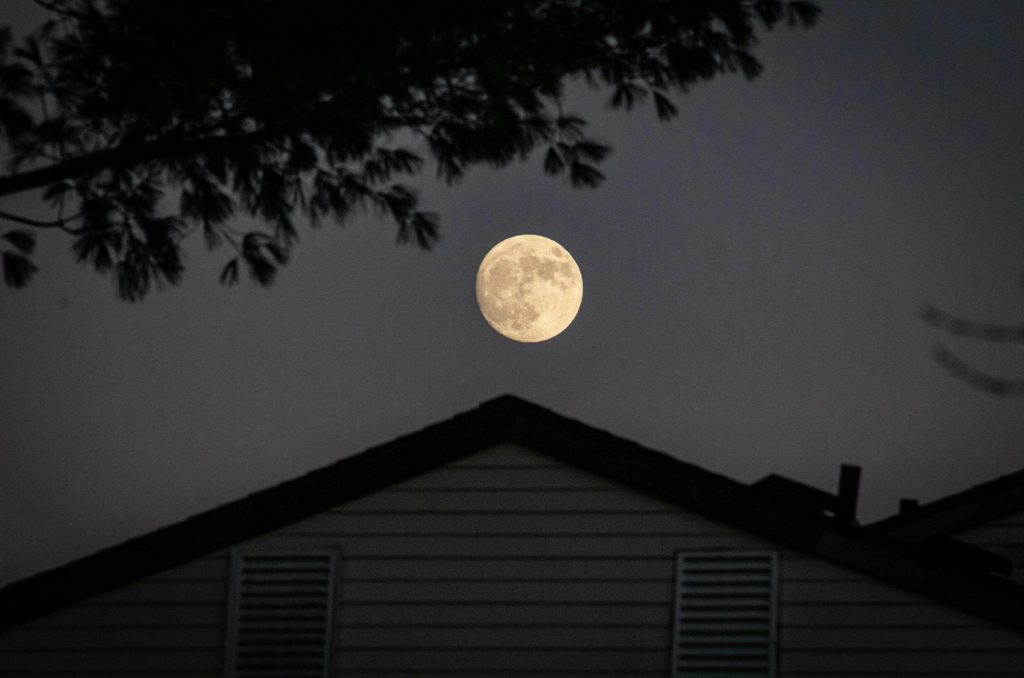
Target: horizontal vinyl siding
point(168, 624)
point(510, 564)
point(1005, 537)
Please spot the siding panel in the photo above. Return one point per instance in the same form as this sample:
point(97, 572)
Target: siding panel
point(542, 661)
point(508, 499)
point(920, 661)
point(503, 478)
point(508, 564)
point(508, 455)
point(120, 659)
point(652, 637)
point(832, 614)
point(508, 591)
point(173, 591)
point(169, 624)
point(592, 615)
point(498, 522)
point(88, 637)
point(655, 569)
point(490, 546)
point(115, 616)
point(977, 638)
point(848, 590)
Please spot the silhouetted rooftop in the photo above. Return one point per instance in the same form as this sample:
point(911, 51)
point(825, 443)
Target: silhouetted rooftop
point(510, 419)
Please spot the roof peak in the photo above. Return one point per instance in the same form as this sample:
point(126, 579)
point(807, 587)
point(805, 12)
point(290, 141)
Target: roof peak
point(508, 418)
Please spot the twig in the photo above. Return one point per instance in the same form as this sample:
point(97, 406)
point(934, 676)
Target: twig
point(58, 223)
point(976, 378)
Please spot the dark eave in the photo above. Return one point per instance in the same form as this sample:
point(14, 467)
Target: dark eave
point(510, 419)
point(976, 505)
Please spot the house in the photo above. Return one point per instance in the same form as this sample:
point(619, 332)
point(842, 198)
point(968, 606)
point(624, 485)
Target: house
point(512, 541)
point(989, 516)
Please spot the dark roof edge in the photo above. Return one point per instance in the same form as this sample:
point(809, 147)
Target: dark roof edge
point(507, 418)
point(250, 516)
point(716, 496)
point(957, 512)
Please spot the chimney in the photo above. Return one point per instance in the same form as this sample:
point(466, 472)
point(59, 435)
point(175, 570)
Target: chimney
point(907, 506)
point(849, 486)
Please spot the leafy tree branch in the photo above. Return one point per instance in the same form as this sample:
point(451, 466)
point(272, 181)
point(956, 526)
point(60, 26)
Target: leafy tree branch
point(152, 121)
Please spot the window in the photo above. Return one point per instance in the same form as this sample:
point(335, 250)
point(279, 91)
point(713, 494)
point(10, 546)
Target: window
point(723, 622)
point(279, 614)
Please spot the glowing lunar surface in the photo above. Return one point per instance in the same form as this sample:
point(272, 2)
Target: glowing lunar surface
point(529, 288)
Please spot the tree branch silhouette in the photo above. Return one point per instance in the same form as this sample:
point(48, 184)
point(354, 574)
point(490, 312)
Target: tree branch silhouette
point(975, 377)
point(116, 109)
point(994, 332)
point(57, 223)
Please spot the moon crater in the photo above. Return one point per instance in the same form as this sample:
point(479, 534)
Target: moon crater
point(529, 288)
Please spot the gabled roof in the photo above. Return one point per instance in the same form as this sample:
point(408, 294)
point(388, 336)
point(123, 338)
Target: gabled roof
point(799, 496)
point(976, 505)
point(510, 419)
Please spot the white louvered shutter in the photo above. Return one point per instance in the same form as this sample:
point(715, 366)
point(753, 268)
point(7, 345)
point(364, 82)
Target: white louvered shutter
point(723, 624)
point(279, 623)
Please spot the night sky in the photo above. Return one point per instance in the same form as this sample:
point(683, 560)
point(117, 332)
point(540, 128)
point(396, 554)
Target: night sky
point(753, 273)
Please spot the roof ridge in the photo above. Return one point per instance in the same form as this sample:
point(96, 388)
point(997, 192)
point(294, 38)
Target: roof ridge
point(1003, 493)
point(509, 418)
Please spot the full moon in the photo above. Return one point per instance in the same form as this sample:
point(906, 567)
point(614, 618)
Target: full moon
point(529, 288)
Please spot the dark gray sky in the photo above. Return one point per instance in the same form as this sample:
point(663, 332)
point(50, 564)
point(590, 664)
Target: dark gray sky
point(752, 277)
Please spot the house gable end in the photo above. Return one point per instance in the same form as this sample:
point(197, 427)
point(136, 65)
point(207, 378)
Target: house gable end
point(514, 421)
point(511, 559)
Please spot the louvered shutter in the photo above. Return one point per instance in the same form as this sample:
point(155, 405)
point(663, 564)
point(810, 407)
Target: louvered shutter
point(279, 623)
point(723, 624)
